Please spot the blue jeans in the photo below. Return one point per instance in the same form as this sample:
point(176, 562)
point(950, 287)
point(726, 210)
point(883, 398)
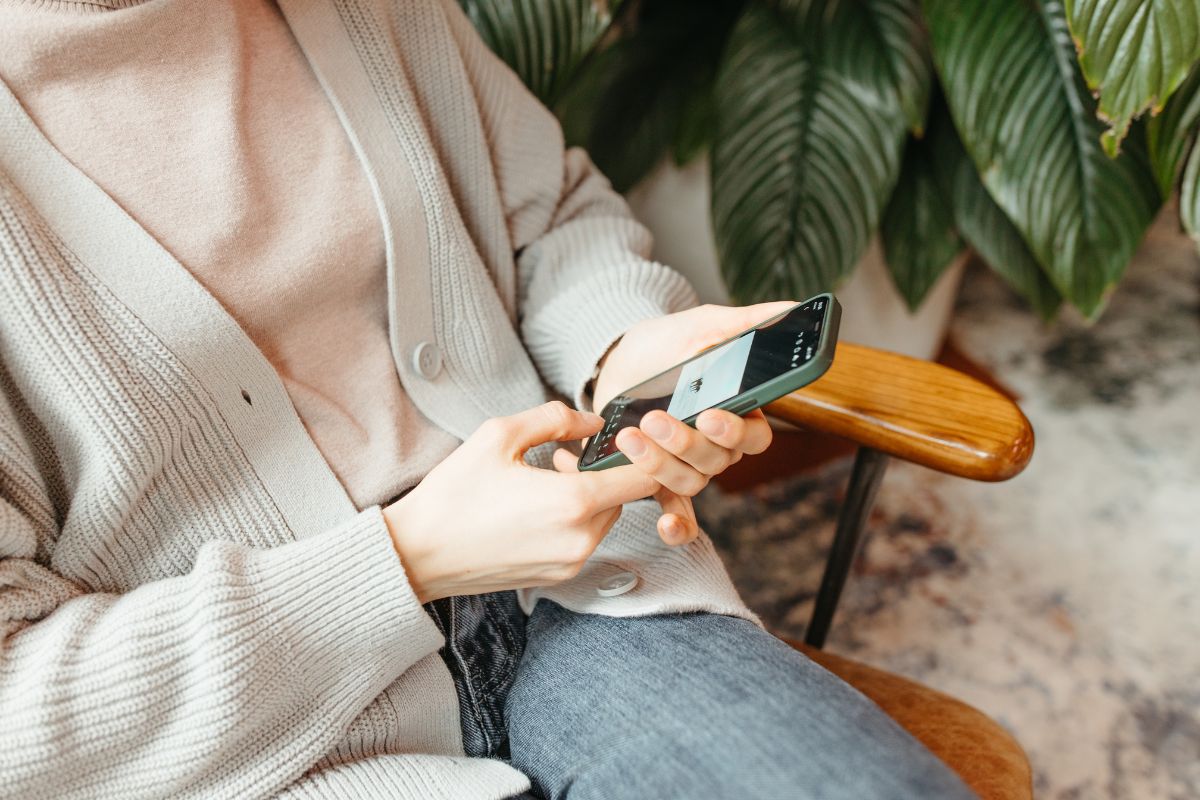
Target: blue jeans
point(682, 706)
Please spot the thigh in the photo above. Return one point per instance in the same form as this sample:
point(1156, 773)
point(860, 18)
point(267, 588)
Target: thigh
point(699, 706)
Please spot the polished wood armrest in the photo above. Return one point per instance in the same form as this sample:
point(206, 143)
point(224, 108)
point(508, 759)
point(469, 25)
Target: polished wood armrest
point(915, 410)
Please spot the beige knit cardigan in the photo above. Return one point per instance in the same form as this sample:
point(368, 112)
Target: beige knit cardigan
point(190, 606)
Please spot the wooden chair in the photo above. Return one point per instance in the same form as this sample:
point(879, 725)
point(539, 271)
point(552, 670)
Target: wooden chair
point(893, 406)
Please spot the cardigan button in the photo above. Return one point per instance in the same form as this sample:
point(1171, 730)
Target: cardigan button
point(617, 584)
point(427, 360)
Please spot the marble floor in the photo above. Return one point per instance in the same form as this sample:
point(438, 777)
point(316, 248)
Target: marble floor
point(1066, 602)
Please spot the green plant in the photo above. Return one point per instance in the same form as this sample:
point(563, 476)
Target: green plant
point(1044, 135)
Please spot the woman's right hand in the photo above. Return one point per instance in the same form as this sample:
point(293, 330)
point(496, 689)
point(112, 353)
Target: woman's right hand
point(484, 521)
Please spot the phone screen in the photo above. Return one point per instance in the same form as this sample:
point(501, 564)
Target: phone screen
point(777, 346)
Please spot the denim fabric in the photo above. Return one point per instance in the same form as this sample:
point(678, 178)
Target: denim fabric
point(690, 706)
point(699, 706)
point(485, 636)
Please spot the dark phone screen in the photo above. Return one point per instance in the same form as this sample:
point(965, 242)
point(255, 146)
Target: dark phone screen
point(766, 352)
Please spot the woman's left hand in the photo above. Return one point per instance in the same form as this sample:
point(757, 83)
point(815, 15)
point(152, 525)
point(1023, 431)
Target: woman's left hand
point(681, 458)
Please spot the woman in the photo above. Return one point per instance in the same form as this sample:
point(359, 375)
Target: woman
point(283, 292)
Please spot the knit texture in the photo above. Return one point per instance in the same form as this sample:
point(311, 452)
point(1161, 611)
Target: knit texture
point(190, 605)
point(239, 199)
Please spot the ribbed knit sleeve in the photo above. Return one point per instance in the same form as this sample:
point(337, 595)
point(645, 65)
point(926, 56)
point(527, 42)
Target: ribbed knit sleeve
point(228, 681)
point(587, 280)
point(225, 682)
point(584, 273)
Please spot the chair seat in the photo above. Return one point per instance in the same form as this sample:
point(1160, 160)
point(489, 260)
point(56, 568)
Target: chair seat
point(987, 758)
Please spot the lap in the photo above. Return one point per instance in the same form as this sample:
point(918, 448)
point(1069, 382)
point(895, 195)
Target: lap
point(699, 706)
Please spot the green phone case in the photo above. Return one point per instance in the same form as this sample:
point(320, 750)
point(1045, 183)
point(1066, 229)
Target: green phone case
point(773, 389)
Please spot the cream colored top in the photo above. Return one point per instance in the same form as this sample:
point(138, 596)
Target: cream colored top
point(190, 604)
point(206, 123)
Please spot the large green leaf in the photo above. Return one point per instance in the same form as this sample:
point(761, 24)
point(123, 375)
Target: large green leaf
point(650, 90)
point(1189, 195)
point(811, 118)
point(938, 205)
point(697, 123)
point(918, 232)
point(905, 56)
point(1134, 53)
point(982, 223)
point(878, 46)
point(1171, 138)
point(1029, 124)
point(544, 41)
point(1169, 135)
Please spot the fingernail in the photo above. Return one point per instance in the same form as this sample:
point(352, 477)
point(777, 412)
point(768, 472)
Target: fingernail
point(675, 530)
point(711, 425)
point(657, 427)
point(595, 419)
point(632, 445)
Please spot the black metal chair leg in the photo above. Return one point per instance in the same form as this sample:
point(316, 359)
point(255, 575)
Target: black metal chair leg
point(869, 466)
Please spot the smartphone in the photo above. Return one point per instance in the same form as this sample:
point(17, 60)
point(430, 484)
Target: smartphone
point(740, 374)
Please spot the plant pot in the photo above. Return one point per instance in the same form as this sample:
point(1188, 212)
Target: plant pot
point(874, 313)
point(673, 203)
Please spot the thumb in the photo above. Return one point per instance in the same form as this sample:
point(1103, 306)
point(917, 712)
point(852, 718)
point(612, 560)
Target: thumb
point(746, 317)
point(565, 460)
point(732, 320)
point(549, 422)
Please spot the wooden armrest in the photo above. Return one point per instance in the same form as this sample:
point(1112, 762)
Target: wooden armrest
point(915, 410)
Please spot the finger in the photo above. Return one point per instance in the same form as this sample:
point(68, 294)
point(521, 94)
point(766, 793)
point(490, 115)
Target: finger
point(566, 461)
point(757, 314)
point(691, 446)
point(604, 521)
point(550, 422)
point(677, 525)
point(616, 486)
point(722, 322)
point(663, 466)
point(749, 434)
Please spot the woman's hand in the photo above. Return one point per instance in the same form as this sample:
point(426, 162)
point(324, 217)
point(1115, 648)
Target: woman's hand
point(681, 458)
point(483, 520)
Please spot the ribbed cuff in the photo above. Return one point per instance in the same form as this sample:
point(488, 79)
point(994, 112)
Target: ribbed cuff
point(682, 579)
point(570, 334)
point(412, 775)
point(342, 606)
point(593, 342)
point(612, 308)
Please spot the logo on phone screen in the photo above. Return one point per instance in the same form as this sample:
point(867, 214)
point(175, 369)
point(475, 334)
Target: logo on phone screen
point(712, 377)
